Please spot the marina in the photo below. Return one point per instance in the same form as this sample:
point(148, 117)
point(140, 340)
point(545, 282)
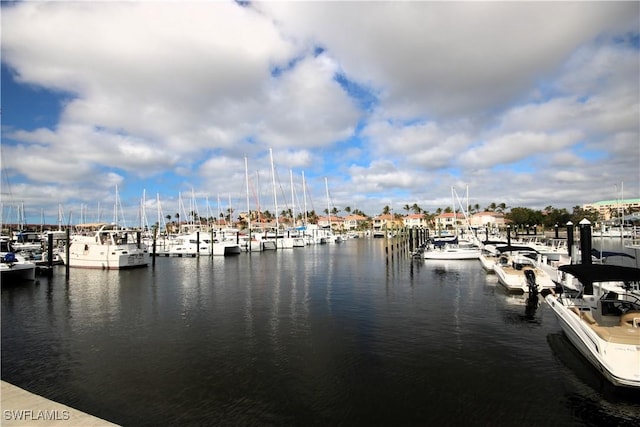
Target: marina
point(327, 334)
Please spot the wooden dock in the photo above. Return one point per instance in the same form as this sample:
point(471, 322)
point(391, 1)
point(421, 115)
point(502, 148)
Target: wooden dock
point(21, 408)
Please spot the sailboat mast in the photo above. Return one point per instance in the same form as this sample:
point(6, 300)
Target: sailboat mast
point(326, 187)
point(293, 201)
point(455, 216)
point(246, 178)
point(275, 195)
point(115, 208)
point(304, 192)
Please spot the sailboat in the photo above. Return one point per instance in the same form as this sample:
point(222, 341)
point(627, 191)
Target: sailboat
point(454, 248)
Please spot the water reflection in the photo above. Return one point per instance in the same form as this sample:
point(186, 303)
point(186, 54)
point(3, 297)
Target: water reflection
point(593, 399)
point(331, 334)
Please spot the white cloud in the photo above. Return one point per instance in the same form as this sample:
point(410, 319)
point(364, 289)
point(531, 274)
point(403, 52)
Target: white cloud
point(513, 147)
point(464, 92)
point(450, 58)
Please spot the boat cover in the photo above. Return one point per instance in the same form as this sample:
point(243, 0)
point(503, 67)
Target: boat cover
point(592, 273)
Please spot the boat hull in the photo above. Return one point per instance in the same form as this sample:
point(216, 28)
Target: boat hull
point(111, 263)
point(452, 254)
point(18, 273)
point(106, 258)
point(618, 363)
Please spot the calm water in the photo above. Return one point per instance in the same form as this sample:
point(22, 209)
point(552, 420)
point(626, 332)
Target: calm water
point(325, 335)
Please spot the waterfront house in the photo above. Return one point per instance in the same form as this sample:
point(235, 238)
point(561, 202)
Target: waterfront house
point(354, 222)
point(415, 221)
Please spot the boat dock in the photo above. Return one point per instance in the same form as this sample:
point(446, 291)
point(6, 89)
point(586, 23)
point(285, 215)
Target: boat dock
point(21, 408)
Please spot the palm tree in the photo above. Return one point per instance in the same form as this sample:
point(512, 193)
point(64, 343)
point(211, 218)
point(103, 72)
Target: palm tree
point(406, 208)
point(416, 209)
point(386, 210)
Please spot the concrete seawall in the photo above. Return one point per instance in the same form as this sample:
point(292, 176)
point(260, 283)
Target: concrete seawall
point(21, 408)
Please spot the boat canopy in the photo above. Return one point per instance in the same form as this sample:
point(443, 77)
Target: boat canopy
point(515, 249)
point(591, 273)
point(606, 254)
point(445, 241)
point(494, 242)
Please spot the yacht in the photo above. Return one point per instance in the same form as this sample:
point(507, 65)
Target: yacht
point(603, 325)
point(107, 247)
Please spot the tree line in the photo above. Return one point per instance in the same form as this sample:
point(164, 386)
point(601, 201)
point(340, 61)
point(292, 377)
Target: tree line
point(548, 217)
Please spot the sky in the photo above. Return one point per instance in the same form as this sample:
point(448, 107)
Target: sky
point(106, 104)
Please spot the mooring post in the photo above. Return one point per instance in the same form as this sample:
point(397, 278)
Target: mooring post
point(153, 247)
point(68, 253)
point(570, 240)
point(50, 251)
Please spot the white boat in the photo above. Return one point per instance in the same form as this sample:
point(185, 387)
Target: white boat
point(189, 245)
point(489, 255)
point(451, 250)
point(604, 326)
point(225, 248)
point(551, 249)
point(519, 270)
point(13, 267)
point(25, 241)
point(109, 247)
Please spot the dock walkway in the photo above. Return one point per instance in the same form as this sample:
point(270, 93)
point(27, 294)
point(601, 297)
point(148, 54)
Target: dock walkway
point(21, 408)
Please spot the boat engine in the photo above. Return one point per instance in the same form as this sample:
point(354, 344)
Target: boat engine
point(530, 276)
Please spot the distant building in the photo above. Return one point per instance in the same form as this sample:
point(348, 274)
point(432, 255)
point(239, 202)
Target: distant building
point(415, 221)
point(607, 208)
point(487, 219)
point(333, 222)
point(352, 222)
point(387, 221)
point(449, 220)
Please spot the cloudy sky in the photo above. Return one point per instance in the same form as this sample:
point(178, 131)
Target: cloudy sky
point(529, 104)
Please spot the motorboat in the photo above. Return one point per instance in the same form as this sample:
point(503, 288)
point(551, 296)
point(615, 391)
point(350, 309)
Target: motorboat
point(603, 325)
point(225, 247)
point(451, 249)
point(13, 267)
point(519, 270)
point(106, 246)
point(489, 254)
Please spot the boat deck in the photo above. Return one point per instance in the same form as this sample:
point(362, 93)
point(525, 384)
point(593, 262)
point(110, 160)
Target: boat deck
point(615, 334)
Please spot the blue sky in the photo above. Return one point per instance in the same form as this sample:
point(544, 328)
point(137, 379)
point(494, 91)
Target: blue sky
point(529, 104)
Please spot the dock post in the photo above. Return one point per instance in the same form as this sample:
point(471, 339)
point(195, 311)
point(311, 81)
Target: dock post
point(50, 251)
point(68, 253)
point(570, 240)
point(153, 247)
